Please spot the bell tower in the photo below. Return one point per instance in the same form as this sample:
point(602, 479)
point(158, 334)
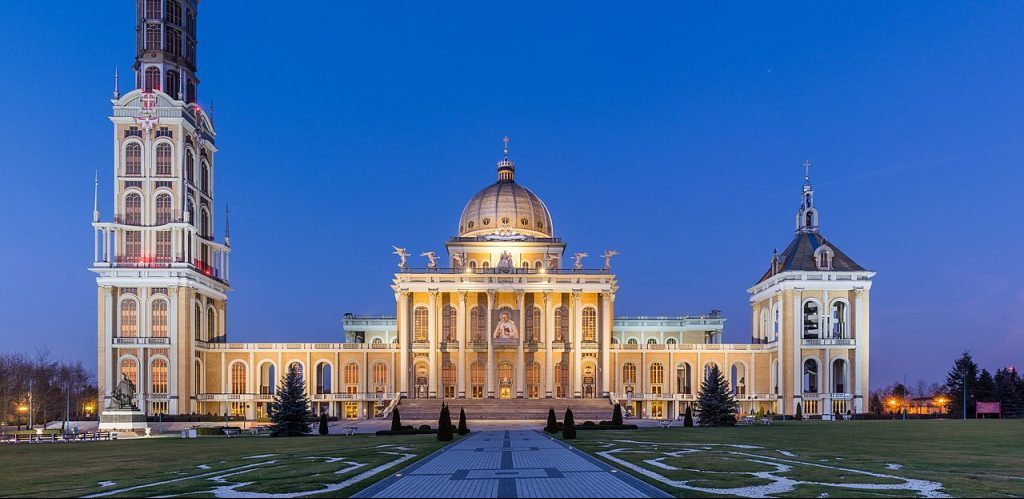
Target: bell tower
point(162, 275)
point(165, 56)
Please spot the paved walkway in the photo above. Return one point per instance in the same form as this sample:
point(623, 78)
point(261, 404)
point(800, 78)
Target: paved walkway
point(511, 464)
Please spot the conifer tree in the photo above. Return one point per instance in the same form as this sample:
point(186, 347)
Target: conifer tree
point(396, 421)
point(617, 415)
point(569, 426)
point(552, 426)
point(964, 371)
point(463, 429)
point(799, 412)
point(323, 424)
point(289, 411)
point(715, 404)
point(444, 425)
point(688, 418)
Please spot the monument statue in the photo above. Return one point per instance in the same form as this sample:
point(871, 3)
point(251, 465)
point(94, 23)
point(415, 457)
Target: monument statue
point(579, 260)
point(402, 255)
point(505, 264)
point(431, 259)
point(458, 260)
point(608, 258)
point(124, 395)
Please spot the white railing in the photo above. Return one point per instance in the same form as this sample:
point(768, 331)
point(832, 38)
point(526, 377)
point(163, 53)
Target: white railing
point(694, 347)
point(846, 342)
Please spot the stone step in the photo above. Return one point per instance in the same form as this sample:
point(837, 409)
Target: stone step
point(497, 409)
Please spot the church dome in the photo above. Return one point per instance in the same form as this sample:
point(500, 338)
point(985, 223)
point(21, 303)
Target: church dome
point(505, 208)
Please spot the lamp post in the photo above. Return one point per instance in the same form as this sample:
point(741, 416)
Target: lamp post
point(22, 409)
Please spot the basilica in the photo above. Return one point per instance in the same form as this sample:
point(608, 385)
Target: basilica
point(506, 316)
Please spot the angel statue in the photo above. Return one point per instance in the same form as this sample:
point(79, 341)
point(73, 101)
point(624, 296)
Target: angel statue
point(608, 258)
point(579, 260)
point(549, 261)
point(458, 261)
point(402, 255)
point(431, 259)
point(505, 264)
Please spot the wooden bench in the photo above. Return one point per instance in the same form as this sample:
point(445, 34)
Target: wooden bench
point(232, 432)
point(349, 430)
point(666, 423)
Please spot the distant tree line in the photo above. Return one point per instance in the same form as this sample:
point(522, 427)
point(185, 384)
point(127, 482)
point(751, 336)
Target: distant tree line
point(55, 385)
point(1005, 387)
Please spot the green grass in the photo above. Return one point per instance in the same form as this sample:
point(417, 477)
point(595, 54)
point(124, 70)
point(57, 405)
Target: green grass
point(969, 458)
point(301, 464)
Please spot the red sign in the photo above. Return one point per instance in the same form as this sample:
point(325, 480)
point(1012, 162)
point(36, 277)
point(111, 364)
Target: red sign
point(989, 408)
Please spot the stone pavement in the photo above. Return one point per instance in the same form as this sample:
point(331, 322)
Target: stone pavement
point(510, 464)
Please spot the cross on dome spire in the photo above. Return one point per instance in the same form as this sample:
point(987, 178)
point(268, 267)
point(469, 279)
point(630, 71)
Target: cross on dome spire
point(506, 140)
point(506, 167)
point(807, 215)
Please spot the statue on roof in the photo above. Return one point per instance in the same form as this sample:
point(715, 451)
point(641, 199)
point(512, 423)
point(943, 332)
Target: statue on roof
point(608, 258)
point(579, 260)
point(431, 259)
point(402, 255)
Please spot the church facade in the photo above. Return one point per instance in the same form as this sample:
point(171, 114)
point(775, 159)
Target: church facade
point(505, 314)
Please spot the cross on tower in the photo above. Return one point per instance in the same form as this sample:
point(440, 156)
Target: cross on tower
point(807, 169)
point(506, 140)
point(148, 101)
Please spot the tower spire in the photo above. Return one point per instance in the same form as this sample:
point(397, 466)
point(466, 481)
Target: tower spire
point(117, 85)
point(807, 215)
point(96, 198)
point(506, 167)
point(227, 225)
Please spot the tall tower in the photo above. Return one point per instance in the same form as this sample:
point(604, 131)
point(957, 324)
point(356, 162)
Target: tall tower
point(812, 304)
point(165, 57)
point(162, 277)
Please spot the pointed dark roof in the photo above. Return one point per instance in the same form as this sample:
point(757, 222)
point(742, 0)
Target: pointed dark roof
point(799, 256)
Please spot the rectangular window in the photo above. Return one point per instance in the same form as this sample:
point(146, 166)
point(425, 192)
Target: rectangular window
point(132, 244)
point(478, 392)
point(163, 246)
point(351, 410)
point(158, 407)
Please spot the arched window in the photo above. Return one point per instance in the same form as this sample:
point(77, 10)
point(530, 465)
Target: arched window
point(657, 377)
point(590, 325)
point(710, 368)
point(775, 376)
point(823, 257)
point(561, 380)
point(158, 376)
point(533, 324)
point(268, 378)
point(163, 159)
point(152, 43)
point(211, 323)
point(133, 158)
point(153, 9)
point(812, 320)
point(130, 368)
point(810, 376)
point(197, 378)
point(485, 265)
point(562, 324)
point(738, 383)
point(670, 341)
point(378, 341)
point(199, 323)
point(323, 378)
point(533, 380)
point(164, 208)
point(153, 72)
point(204, 178)
point(477, 379)
point(684, 378)
point(448, 379)
point(839, 320)
point(652, 341)
point(129, 318)
point(629, 374)
point(190, 165)
point(776, 321)
point(172, 81)
point(448, 323)
point(380, 377)
point(204, 224)
point(351, 377)
point(478, 320)
point(764, 334)
point(631, 341)
point(238, 375)
point(419, 325)
point(839, 368)
point(298, 368)
point(159, 317)
point(133, 208)
point(174, 12)
point(172, 37)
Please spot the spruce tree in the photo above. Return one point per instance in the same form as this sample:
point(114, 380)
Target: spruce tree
point(289, 411)
point(323, 423)
point(569, 426)
point(964, 370)
point(715, 404)
point(444, 425)
point(799, 411)
point(1008, 389)
point(552, 426)
point(463, 429)
point(986, 391)
point(396, 421)
point(688, 418)
point(617, 415)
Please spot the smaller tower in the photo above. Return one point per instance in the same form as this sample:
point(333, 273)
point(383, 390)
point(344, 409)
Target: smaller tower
point(807, 215)
point(165, 57)
point(506, 167)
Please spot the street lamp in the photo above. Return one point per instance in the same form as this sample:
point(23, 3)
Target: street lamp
point(892, 406)
point(22, 409)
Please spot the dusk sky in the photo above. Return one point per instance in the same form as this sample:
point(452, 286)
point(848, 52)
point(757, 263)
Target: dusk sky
point(673, 134)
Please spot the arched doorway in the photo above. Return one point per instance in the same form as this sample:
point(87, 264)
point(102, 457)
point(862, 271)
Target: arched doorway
point(505, 380)
point(589, 381)
point(422, 387)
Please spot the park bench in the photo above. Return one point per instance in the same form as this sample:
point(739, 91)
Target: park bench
point(666, 423)
point(847, 417)
point(348, 430)
point(232, 432)
point(766, 421)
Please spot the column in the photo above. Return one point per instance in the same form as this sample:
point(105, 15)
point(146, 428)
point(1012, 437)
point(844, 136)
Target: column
point(490, 346)
point(520, 354)
point(607, 320)
point(549, 337)
point(403, 343)
point(460, 330)
point(432, 339)
point(108, 335)
point(860, 353)
point(798, 386)
point(577, 367)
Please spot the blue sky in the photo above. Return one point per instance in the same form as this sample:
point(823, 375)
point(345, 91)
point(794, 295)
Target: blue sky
point(672, 133)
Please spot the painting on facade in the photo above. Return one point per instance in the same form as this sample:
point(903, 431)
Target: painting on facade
point(506, 329)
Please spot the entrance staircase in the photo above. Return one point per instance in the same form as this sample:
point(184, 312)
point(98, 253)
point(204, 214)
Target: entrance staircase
point(595, 410)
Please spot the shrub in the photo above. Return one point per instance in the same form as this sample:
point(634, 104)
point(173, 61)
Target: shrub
point(569, 427)
point(396, 420)
point(799, 412)
point(323, 423)
point(424, 427)
point(463, 429)
point(444, 425)
point(617, 415)
point(552, 426)
point(688, 418)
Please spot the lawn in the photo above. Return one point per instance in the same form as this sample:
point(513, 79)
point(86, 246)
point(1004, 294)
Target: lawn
point(806, 459)
point(309, 466)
